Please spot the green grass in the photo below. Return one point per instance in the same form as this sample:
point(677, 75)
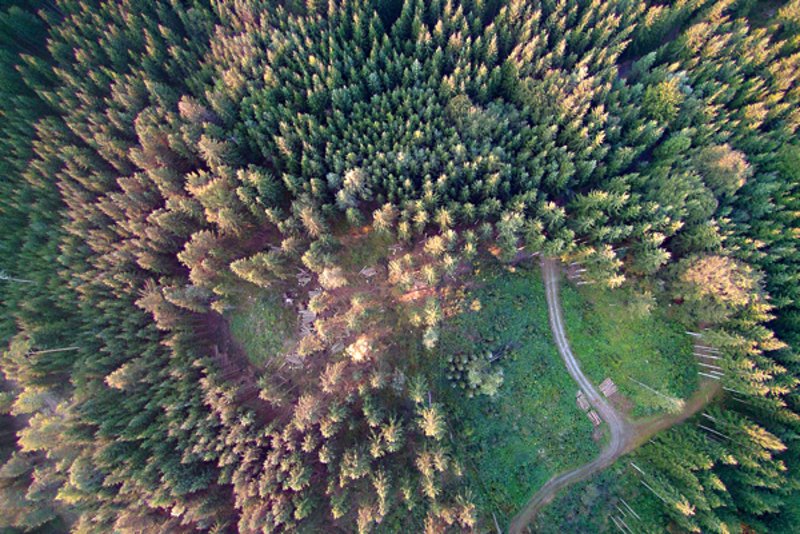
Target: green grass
point(262, 325)
point(532, 429)
point(365, 252)
point(613, 336)
point(585, 507)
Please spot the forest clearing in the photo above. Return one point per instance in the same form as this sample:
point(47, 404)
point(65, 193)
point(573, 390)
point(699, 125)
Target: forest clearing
point(399, 266)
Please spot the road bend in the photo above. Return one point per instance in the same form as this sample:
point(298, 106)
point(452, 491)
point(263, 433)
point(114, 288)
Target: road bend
point(625, 436)
point(622, 432)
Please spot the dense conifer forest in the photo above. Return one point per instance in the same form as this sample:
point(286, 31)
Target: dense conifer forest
point(238, 238)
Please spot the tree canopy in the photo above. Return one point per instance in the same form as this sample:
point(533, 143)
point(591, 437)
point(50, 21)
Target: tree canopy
point(163, 161)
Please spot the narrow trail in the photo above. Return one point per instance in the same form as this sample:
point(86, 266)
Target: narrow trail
point(625, 436)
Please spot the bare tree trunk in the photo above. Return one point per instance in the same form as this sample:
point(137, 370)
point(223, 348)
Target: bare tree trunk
point(4, 276)
point(52, 350)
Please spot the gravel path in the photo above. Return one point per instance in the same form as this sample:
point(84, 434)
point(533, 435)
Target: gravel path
point(624, 436)
point(622, 432)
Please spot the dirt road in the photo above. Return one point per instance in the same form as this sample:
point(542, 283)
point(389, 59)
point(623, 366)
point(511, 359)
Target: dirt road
point(624, 435)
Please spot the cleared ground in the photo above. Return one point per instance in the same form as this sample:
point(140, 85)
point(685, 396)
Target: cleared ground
point(622, 335)
point(262, 325)
point(625, 437)
point(513, 443)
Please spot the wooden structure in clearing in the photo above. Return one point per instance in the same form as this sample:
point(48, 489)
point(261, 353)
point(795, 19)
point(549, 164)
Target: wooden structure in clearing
point(583, 402)
point(594, 418)
point(608, 387)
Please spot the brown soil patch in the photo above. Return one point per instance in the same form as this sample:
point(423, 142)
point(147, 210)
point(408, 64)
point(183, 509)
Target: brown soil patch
point(622, 403)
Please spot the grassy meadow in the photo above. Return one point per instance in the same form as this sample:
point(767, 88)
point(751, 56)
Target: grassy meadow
point(626, 336)
point(532, 429)
point(262, 325)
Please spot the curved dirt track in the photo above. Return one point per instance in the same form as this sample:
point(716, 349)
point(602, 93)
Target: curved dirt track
point(624, 435)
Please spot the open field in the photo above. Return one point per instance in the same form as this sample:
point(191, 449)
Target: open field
point(363, 249)
point(262, 325)
point(620, 335)
point(512, 443)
